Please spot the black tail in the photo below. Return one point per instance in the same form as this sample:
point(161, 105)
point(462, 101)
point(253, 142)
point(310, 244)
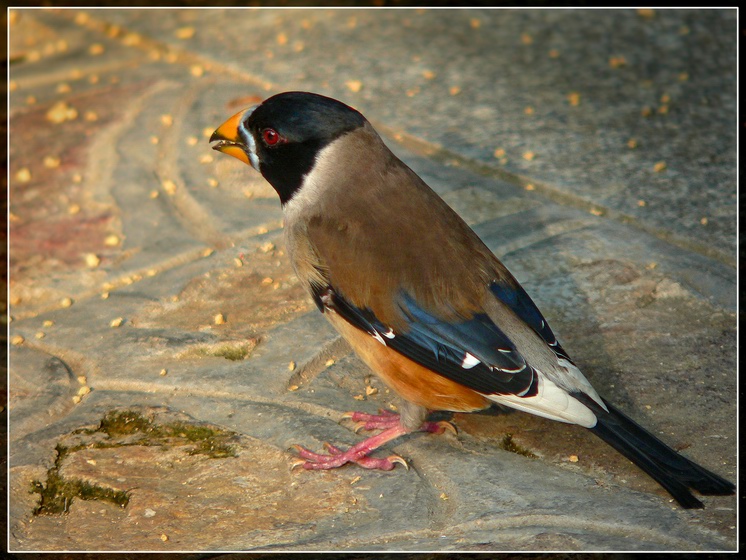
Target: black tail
point(673, 471)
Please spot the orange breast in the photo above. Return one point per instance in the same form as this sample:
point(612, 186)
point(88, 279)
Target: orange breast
point(408, 379)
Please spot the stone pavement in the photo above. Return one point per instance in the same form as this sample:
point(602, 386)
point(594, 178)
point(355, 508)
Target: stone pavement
point(164, 359)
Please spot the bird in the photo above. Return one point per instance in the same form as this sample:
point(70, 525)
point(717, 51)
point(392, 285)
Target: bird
point(417, 294)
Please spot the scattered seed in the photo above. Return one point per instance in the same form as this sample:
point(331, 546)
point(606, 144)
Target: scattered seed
point(116, 322)
point(83, 391)
point(185, 32)
point(17, 340)
point(111, 240)
point(66, 302)
point(96, 49)
point(573, 98)
point(617, 61)
point(454, 90)
point(529, 156)
point(167, 120)
point(329, 363)
point(573, 458)
point(163, 372)
point(526, 39)
point(219, 319)
point(169, 186)
point(530, 187)
point(660, 166)
point(196, 70)
point(48, 323)
point(192, 140)
point(61, 112)
point(82, 379)
point(354, 85)
point(92, 260)
point(631, 143)
point(23, 175)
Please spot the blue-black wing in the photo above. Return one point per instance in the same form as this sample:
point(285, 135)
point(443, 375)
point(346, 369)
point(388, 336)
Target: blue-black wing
point(474, 353)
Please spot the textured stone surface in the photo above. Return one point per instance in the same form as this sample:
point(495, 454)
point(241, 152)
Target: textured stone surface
point(149, 276)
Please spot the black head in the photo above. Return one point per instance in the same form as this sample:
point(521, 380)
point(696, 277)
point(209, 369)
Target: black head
point(282, 136)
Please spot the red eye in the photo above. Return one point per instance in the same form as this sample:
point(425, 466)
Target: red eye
point(271, 136)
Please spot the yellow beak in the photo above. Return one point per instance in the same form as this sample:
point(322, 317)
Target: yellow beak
point(228, 140)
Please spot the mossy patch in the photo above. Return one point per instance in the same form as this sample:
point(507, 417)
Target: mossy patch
point(508, 444)
point(123, 428)
point(58, 493)
point(233, 352)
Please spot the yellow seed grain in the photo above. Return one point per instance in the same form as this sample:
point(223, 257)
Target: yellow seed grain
point(23, 175)
point(92, 260)
point(185, 32)
point(354, 85)
point(169, 186)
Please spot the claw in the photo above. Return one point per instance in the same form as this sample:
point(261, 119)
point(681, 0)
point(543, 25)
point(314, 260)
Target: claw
point(397, 459)
point(296, 464)
point(347, 415)
point(332, 449)
point(359, 426)
point(447, 426)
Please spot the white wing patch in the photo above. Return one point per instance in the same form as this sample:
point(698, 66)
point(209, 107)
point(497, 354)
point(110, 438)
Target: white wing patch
point(551, 402)
point(469, 361)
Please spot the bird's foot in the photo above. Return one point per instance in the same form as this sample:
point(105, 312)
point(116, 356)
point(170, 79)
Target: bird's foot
point(386, 419)
point(359, 453)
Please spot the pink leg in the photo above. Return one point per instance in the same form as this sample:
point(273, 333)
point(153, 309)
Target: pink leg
point(359, 453)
